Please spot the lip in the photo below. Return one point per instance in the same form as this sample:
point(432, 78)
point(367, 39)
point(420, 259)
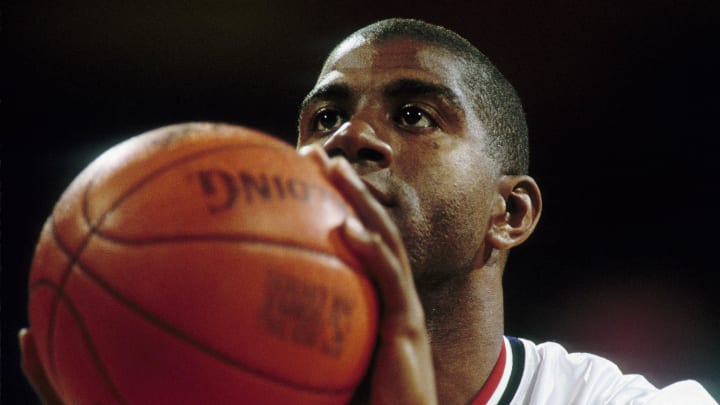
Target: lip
point(381, 193)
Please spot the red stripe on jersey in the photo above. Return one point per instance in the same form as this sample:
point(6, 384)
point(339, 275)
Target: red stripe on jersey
point(493, 380)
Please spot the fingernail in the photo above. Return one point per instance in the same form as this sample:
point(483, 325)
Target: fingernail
point(348, 172)
point(306, 150)
point(354, 226)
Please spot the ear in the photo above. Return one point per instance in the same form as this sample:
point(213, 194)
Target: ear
point(516, 212)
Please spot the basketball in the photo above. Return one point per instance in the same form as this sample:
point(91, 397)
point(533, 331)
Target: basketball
point(201, 263)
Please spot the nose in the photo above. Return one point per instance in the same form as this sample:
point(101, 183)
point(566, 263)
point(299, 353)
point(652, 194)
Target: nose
point(358, 143)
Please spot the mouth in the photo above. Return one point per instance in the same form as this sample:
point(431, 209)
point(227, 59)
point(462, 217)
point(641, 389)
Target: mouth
point(381, 193)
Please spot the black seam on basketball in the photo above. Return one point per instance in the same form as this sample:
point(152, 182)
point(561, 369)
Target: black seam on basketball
point(73, 259)
point(84, 332)
point(218, 237)
point(180, 335)
point(184, 159)
point(93, 231)
point(227, 238)
point(94, 228)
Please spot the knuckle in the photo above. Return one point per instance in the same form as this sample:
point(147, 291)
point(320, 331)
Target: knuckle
point(408, 325)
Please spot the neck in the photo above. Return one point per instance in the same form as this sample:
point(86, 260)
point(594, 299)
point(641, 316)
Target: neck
point(465, 323)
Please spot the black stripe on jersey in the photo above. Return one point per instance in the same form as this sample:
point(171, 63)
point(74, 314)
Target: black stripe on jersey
point(518, 366)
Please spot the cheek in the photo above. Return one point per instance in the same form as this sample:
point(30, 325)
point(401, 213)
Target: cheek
point(463, 211)
point(456, 203)
point(462, 192)
point(449, 233)
point(448, 200)
point(458, 183)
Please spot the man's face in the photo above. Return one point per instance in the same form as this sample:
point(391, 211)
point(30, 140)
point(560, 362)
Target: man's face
point(398, 111)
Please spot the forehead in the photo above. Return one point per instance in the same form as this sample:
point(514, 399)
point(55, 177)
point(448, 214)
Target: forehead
point(359, 63)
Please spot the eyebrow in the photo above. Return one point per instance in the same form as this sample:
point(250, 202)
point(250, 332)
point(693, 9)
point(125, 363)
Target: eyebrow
point(401, 88)
point(406, 88)
point(334, 91)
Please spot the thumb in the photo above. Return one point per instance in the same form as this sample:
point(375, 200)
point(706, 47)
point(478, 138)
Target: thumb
point(33, 369)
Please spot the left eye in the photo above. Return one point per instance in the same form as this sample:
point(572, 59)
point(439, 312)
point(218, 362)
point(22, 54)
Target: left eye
point(411, 116)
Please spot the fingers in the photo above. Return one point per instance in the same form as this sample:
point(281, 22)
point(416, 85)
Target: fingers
point(33, 369)
point(369, 210)
point(403, 368)
point(382, 265)
point(377, 241)
point(317, 154)
point(378, 245)
point(29, 360)
point(371, 213)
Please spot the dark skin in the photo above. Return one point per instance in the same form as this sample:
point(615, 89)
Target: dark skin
point(438, 216)
point(422, 178)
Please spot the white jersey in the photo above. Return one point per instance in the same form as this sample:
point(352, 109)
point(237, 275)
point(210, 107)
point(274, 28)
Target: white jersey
point(546, 374)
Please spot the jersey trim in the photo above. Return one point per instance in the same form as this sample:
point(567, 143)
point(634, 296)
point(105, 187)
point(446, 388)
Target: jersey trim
point(518, 367)
point(494, 380)
point(504, 379)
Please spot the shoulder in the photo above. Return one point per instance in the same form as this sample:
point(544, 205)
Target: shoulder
point(551, 375)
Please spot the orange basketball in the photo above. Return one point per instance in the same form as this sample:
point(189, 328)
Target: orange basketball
point(200, 264)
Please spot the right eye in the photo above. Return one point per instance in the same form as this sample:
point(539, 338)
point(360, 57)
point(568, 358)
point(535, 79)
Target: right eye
point(327, 120)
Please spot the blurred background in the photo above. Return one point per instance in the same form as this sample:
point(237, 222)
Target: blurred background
point(621, 99)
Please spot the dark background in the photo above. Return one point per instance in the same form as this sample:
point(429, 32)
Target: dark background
point(621, 99)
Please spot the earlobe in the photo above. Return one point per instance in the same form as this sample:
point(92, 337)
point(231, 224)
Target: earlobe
point(516, 212)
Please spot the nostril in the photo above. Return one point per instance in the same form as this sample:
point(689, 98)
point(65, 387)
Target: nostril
point(335, 152)
point(370, 154)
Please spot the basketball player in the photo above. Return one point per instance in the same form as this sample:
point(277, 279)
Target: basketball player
point(434, 160)
point(435, 154)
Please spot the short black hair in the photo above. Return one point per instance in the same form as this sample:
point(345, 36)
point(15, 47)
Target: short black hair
point(496, 102)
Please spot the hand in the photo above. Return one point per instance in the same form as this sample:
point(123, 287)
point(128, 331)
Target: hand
point(402, 369)
point(34, 371)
